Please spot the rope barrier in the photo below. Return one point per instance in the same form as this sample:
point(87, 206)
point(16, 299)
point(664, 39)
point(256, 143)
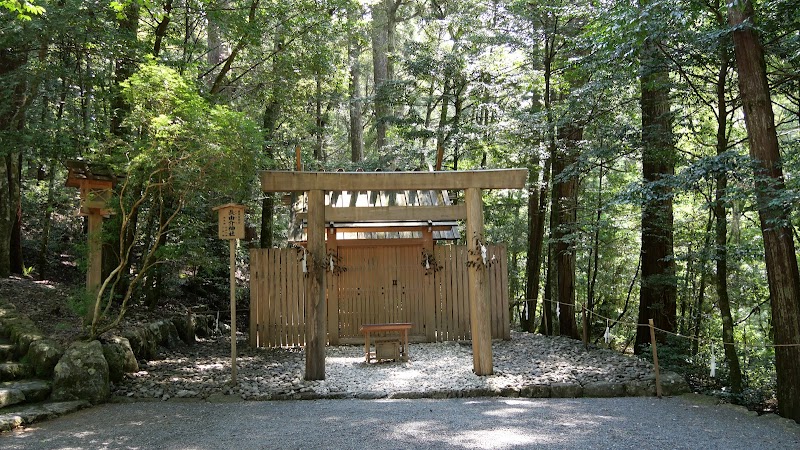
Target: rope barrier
point(691, 338)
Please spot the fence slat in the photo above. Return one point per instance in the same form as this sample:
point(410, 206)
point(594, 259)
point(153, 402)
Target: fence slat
point(366, 293)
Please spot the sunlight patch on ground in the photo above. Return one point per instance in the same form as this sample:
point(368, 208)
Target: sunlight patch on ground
point(501, 438)
point(343, 360)
point(505, 412)
point(431, 432)
point(208, 367)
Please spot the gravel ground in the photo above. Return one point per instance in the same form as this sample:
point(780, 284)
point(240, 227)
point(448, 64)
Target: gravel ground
point(688, 421)
point(435, 369)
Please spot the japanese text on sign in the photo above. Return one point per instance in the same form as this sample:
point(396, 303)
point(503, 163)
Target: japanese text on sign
point(231, 222)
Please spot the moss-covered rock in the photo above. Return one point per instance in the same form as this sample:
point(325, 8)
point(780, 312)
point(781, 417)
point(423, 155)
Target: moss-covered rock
point(142, 341)
point(165, 332)
point(43, 355)
point(82, 374)
point(186, 326)
point(119, 356)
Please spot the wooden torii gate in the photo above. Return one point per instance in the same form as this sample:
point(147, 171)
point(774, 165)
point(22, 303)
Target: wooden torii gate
point(316, 184)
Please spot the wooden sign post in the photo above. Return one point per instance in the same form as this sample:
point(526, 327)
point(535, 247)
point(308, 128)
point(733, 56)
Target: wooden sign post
point(231, 228)
point(96, 184)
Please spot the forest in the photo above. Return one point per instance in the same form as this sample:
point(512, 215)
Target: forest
point(662, 141)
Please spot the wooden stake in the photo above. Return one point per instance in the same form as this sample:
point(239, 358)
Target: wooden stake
point(655, 357)
point(233, 308)
point(298, 159)
point(585, 328)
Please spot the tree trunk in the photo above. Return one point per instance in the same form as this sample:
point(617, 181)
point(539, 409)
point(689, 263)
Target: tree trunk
point(124, 67)
point(721, 232)
point(15, 196)
point(161, 29)
point(595, 252)
point(565, 199)
point(271, 112)
point(380, 61)
point(356, 124)
point(701, 294)
point(218, 85)
point(47, 222)
point(548, 308)
point(441, 128)
point(780, 257)
point(537, 216)
point(12, 119)
point(5, 223)
point(658, 292)
point(546, 327)
point(687, 292)
point(319, 120)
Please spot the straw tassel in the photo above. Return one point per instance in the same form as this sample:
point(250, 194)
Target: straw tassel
point(713, 363)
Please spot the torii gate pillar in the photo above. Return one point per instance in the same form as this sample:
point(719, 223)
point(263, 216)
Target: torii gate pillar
point(478, 294)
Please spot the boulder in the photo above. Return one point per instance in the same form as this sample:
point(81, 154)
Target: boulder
point(120, 358)
point(43, 355)
point(202, 327)
point(82, 374)
point(165, 333)
point(185, 326)
point(142, 342)
point(673, 384)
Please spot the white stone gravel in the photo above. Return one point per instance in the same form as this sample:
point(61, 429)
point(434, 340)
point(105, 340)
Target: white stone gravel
point(436, 370)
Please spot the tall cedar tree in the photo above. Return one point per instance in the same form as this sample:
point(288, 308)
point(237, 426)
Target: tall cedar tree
point(780, 256)
point(658, 292)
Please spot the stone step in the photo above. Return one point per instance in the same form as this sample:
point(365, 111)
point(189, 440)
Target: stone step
point(28, 414)
point(7, 351)
point(13, 392)
point(10, 396)
point(14, 371)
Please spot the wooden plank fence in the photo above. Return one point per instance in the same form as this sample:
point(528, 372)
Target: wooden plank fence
point(380, 284)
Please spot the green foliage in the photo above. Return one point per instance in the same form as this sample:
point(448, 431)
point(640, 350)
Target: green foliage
point(24, 9)
point(468, 75)
point(80, 301)
point(195, 145)
point(185, 155)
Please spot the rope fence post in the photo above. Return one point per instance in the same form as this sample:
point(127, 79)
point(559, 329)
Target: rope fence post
point(585, 328)
point(655, 357)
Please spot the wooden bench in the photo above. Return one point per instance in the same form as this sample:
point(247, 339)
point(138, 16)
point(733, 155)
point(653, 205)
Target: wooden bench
point(400, 328)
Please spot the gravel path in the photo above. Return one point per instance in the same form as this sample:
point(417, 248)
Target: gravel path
point(434, 370)
point(689, 421)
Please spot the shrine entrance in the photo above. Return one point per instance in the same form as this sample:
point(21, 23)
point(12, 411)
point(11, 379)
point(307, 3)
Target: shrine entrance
point(394, 291)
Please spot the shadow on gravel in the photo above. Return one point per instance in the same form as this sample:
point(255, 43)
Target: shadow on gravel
point(486, 423)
